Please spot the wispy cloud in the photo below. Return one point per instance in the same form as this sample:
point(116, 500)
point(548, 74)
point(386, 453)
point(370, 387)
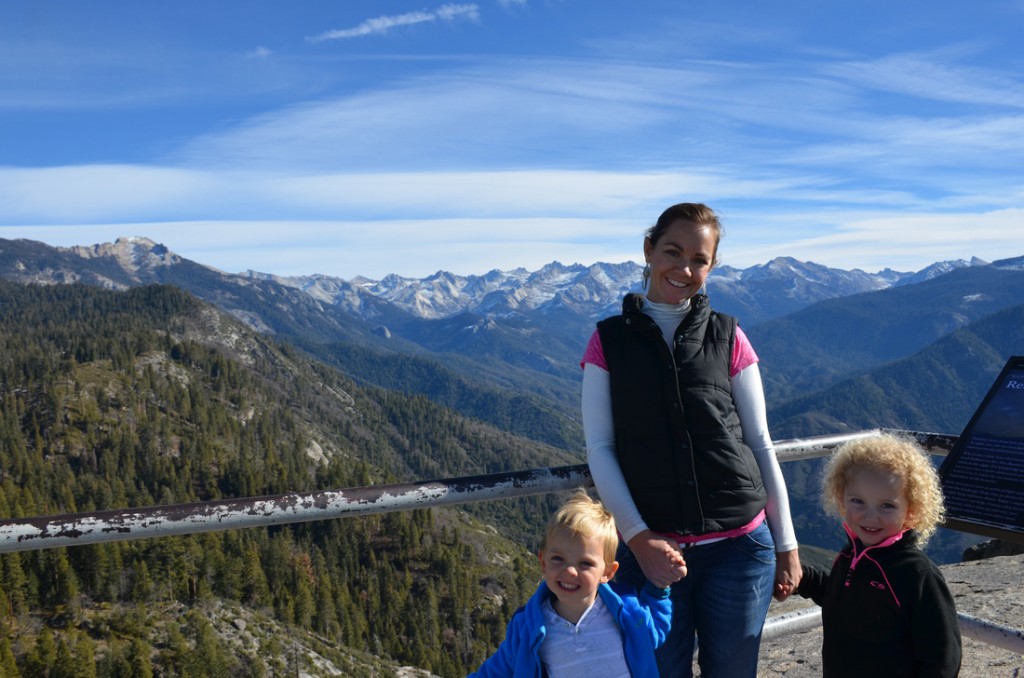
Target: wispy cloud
point(929, 76)
point(384, 24)
point(139, 193)
point(837, 239)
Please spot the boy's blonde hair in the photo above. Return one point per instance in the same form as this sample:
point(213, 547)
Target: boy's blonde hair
point(898, 455)
point(584, 517)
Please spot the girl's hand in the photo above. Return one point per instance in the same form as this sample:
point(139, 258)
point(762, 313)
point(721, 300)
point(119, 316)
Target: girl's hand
point(788, 574)
point(660, 559)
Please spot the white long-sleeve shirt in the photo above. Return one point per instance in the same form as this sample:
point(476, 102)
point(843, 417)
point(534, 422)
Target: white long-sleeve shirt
point(748, 396)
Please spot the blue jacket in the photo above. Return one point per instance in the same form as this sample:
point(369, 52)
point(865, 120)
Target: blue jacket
point(644, 620)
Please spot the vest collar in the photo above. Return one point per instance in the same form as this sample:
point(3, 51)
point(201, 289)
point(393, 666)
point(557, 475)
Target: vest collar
point(634, 303)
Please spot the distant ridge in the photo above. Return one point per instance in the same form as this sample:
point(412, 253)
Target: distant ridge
point(754, 294)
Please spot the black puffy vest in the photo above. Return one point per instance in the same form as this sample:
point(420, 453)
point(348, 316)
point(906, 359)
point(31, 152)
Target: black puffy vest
point(677, 432)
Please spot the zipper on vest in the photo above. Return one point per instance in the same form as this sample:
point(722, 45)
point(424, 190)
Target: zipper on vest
point(682, 414)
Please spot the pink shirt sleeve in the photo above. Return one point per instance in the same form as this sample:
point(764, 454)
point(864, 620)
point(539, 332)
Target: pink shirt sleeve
point(594, 354)
point(743, 355)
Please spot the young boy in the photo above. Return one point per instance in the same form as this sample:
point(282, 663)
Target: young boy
point(577, 624)
point(885, 608)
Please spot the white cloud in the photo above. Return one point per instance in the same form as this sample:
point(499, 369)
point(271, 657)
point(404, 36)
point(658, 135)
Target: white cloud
point(451, 12)
point(738, 119)
point(384, 24)
point(88, 192)
point(102, 193)
point(873, 240)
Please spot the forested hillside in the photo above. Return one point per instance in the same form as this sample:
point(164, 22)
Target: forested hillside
point(936, 389)
point(490, 371)
point(148, 396)
point(809, 350)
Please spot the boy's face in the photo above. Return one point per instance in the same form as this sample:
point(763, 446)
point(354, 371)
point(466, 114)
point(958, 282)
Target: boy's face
point(573, 569)
point(874, 505)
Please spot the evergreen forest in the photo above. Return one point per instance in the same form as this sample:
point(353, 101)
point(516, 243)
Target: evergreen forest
point(149, 397)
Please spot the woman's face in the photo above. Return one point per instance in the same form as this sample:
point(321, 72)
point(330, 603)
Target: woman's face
point(680, 261)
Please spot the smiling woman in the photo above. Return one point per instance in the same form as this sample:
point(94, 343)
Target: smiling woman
point(679, 449)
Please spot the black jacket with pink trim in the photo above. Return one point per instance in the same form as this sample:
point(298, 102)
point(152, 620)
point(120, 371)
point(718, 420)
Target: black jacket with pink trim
point(886, 612)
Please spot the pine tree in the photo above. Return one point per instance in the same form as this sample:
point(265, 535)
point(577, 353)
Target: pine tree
point(8, 665)
point(43, 655)
point(140, 659)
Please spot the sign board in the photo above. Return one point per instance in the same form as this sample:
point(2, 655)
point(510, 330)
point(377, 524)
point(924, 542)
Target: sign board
point(983, 475)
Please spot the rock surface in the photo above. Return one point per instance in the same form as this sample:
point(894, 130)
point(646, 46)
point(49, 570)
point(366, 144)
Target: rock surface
point(990, 589)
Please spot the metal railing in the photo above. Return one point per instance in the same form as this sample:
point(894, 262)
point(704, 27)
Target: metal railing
point(96, 527)
point(27, 534)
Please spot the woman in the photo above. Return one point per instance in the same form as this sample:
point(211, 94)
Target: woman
point(679, 449)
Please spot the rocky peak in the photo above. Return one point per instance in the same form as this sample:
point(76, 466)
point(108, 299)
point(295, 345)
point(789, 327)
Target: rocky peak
point(132, 254)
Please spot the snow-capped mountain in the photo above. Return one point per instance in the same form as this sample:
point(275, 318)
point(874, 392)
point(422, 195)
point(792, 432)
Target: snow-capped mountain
point(943, 267)
point(755, 294)
point(131, 253)
point(580, 292)
point(497, 293)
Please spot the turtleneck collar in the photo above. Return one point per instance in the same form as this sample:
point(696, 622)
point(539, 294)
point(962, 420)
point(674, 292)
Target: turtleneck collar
point(667, 316)
point(654, 308)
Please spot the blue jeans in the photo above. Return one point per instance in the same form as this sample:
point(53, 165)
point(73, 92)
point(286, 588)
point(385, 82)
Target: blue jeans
point(723, 599)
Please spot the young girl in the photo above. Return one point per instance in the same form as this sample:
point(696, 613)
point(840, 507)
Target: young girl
point(885, 607)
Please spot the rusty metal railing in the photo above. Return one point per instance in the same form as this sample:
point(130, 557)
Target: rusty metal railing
point(26, 534)
point(96, 527)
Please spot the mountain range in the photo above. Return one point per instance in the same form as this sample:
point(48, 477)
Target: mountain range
point(758, 293)
point(505, 346)
point(840, 350)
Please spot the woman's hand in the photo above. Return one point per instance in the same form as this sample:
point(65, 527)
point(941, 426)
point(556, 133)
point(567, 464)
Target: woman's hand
point(660, 559)
point(787, 574)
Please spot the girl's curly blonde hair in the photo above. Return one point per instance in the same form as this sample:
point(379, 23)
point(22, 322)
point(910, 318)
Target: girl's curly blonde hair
point(898, 455)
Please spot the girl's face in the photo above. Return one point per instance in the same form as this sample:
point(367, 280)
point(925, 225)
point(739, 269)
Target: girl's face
point(680, 261)
point(875, 505)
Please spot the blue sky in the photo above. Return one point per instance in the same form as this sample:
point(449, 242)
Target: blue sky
point(366, 138)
